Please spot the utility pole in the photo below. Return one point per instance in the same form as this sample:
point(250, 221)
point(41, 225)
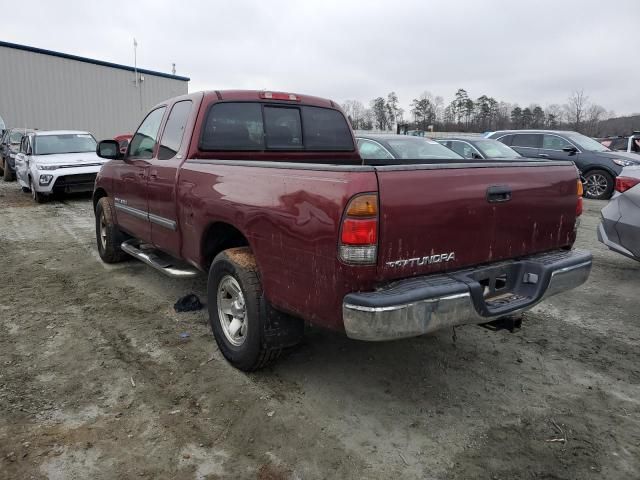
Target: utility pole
point(173, 68)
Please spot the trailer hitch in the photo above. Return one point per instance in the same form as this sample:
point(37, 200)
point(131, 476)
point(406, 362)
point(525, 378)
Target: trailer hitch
point(511, 323)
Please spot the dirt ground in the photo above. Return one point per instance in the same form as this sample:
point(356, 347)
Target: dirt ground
point(101, 379)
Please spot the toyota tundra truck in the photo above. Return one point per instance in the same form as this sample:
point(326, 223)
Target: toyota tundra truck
point(266, 192)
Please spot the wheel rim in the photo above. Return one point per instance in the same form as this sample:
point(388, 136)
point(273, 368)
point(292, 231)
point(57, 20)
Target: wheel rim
point(596, 184)
point(232, 310)
point(103, 231)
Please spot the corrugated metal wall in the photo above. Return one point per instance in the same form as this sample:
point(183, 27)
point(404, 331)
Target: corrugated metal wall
point(47, 92)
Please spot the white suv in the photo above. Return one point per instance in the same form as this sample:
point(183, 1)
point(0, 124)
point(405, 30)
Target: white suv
point(57, 161)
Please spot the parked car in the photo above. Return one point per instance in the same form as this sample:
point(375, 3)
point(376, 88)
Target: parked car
point(620, 226)
point(380, 148)
point(480, 148)
point(267, 193)
point(9, 146)
point(629, 144)
point(123, 141)
point(56, 162)
point(598, 165)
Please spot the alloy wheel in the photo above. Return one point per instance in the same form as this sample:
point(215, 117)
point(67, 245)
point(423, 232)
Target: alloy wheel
point(232, 310)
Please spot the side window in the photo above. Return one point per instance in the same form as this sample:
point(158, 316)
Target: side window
point(372, 151)
point(619, 144)
point(174, 130)
point(233, 126)
point(23, 145)
point(144, 141)
point(507, 139)
point(553, 142)
point(528, 140)
point(282, 128)
point(462, 149)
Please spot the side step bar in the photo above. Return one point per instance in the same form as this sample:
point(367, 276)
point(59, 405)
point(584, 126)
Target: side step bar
point(158, 260)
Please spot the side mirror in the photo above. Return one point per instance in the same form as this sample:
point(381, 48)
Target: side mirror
point(109, 149)
point(476, 156)
point(570, 150)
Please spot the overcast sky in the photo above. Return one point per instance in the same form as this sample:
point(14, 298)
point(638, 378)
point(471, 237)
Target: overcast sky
point(516, 51)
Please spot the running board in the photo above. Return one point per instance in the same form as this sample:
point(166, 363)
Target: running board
point(158, 260)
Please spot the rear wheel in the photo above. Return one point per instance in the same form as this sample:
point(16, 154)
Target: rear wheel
point(234, 295)
point(598, 184)
point(108, 235)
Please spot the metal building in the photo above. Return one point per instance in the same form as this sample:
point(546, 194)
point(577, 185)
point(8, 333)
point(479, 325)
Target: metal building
point(56, 91)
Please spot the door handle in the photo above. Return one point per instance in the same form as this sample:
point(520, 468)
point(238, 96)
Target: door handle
point(543, 155)
point(498, 194)
point(153, 175)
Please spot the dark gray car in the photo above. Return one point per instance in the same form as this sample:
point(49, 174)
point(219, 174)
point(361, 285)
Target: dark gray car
point(9, 147)
point(620, 226)
point(480, 148)
point(598, 165)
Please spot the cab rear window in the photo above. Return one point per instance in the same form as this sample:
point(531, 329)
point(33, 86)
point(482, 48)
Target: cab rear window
point(252, 126)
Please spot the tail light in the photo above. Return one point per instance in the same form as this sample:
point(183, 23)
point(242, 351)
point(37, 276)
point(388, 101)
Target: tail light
point(359, 230)
point(579, 204)
point(279, 96)
point(625, 183)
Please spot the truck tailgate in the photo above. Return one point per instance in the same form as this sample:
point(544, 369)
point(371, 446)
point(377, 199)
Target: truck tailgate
point(436, 218)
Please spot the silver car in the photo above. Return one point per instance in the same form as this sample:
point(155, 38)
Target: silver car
point(620, 226)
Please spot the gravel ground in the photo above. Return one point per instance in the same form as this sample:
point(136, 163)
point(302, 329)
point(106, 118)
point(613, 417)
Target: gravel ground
point(97, 382)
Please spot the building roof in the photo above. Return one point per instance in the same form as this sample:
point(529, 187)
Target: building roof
point(90, 60)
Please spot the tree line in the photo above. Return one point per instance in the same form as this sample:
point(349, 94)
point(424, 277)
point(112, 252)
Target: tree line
point(464, 114)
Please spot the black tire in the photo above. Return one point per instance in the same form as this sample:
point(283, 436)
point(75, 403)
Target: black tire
point(254, 352)
point(108, 235)
point(598, 184)
point(25, 190)
point(7, 174)
point(37, 196)
point(2, 166)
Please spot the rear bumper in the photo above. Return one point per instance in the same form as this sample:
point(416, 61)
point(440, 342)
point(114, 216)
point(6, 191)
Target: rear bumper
point(603, 237)
point(421, 305)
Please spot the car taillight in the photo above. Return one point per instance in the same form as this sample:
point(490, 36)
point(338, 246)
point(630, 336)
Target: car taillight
point(359, 230)
point(625, 183)
point(579, 204)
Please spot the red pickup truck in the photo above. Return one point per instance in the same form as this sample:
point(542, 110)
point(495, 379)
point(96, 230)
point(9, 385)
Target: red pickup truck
point(267, 193)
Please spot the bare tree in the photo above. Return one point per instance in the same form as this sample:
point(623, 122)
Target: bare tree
point(575, 109)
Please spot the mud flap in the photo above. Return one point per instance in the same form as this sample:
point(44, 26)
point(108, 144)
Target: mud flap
point(280, 329)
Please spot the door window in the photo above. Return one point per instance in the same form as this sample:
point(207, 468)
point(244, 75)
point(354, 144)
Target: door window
point(174, 130)
point(619, 144)
point(507, 139)
point(553, 142)
point(527, 140)
point(144, 141)
point(372, 151)
point(463, 149)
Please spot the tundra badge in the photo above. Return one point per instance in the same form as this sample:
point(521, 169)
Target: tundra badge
point(428, 260)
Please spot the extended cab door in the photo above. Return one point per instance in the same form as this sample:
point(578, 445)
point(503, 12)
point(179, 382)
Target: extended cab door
point(163, 173)
point(130, 178)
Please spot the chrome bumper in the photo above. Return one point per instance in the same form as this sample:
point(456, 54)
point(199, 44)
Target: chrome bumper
point(421, 305)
